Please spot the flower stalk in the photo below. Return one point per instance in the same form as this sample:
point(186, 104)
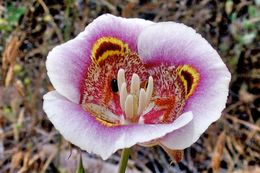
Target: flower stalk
point(124, 160)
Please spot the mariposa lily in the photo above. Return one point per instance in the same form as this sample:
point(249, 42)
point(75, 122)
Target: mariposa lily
point(123, 82)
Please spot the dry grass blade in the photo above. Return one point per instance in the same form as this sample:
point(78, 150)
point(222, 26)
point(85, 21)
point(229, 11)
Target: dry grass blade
point(47, 163)
point(20, 87)
point(50, 18)
point(9, 59)
point(218, 152)
point(16, 160)
point(249, 125)
point(1, 142)
point(29, 160)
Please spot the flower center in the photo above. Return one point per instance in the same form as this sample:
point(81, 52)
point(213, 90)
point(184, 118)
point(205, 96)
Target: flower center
point(102, 95)
point(119, 89)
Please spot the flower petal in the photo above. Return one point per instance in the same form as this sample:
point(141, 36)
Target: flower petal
point(66, 64)
point(82, 129)
point(176, 44)
point(107, 25)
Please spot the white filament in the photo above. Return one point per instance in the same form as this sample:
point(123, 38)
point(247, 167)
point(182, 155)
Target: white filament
point(129, 106)
point(135, 85)
point(142, 101)
point(122, 95)
point(149, 91)
point(120, 78)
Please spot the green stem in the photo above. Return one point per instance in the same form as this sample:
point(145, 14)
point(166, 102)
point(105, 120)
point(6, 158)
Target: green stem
point(123, 161)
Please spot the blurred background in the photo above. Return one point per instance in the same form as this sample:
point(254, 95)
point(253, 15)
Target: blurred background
point(29, 29)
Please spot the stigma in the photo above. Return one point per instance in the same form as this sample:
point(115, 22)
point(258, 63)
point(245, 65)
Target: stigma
point(137, 100)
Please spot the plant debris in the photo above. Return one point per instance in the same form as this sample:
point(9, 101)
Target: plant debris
point(30, 29)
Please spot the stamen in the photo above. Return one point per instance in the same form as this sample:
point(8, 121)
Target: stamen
point(149, 91)
point(123, 95)
point(135, 85)
point(120, 78)
point(142, 102)
point(135, 103)
point(129, 106)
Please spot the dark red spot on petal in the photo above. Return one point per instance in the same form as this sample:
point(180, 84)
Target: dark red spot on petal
point(105, 46)
point(189, 79)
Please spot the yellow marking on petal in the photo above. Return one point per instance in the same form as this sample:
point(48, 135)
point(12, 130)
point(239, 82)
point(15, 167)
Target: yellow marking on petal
point(102, 114)
point(106, 123)
point(189, 77)
point(105, 47)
